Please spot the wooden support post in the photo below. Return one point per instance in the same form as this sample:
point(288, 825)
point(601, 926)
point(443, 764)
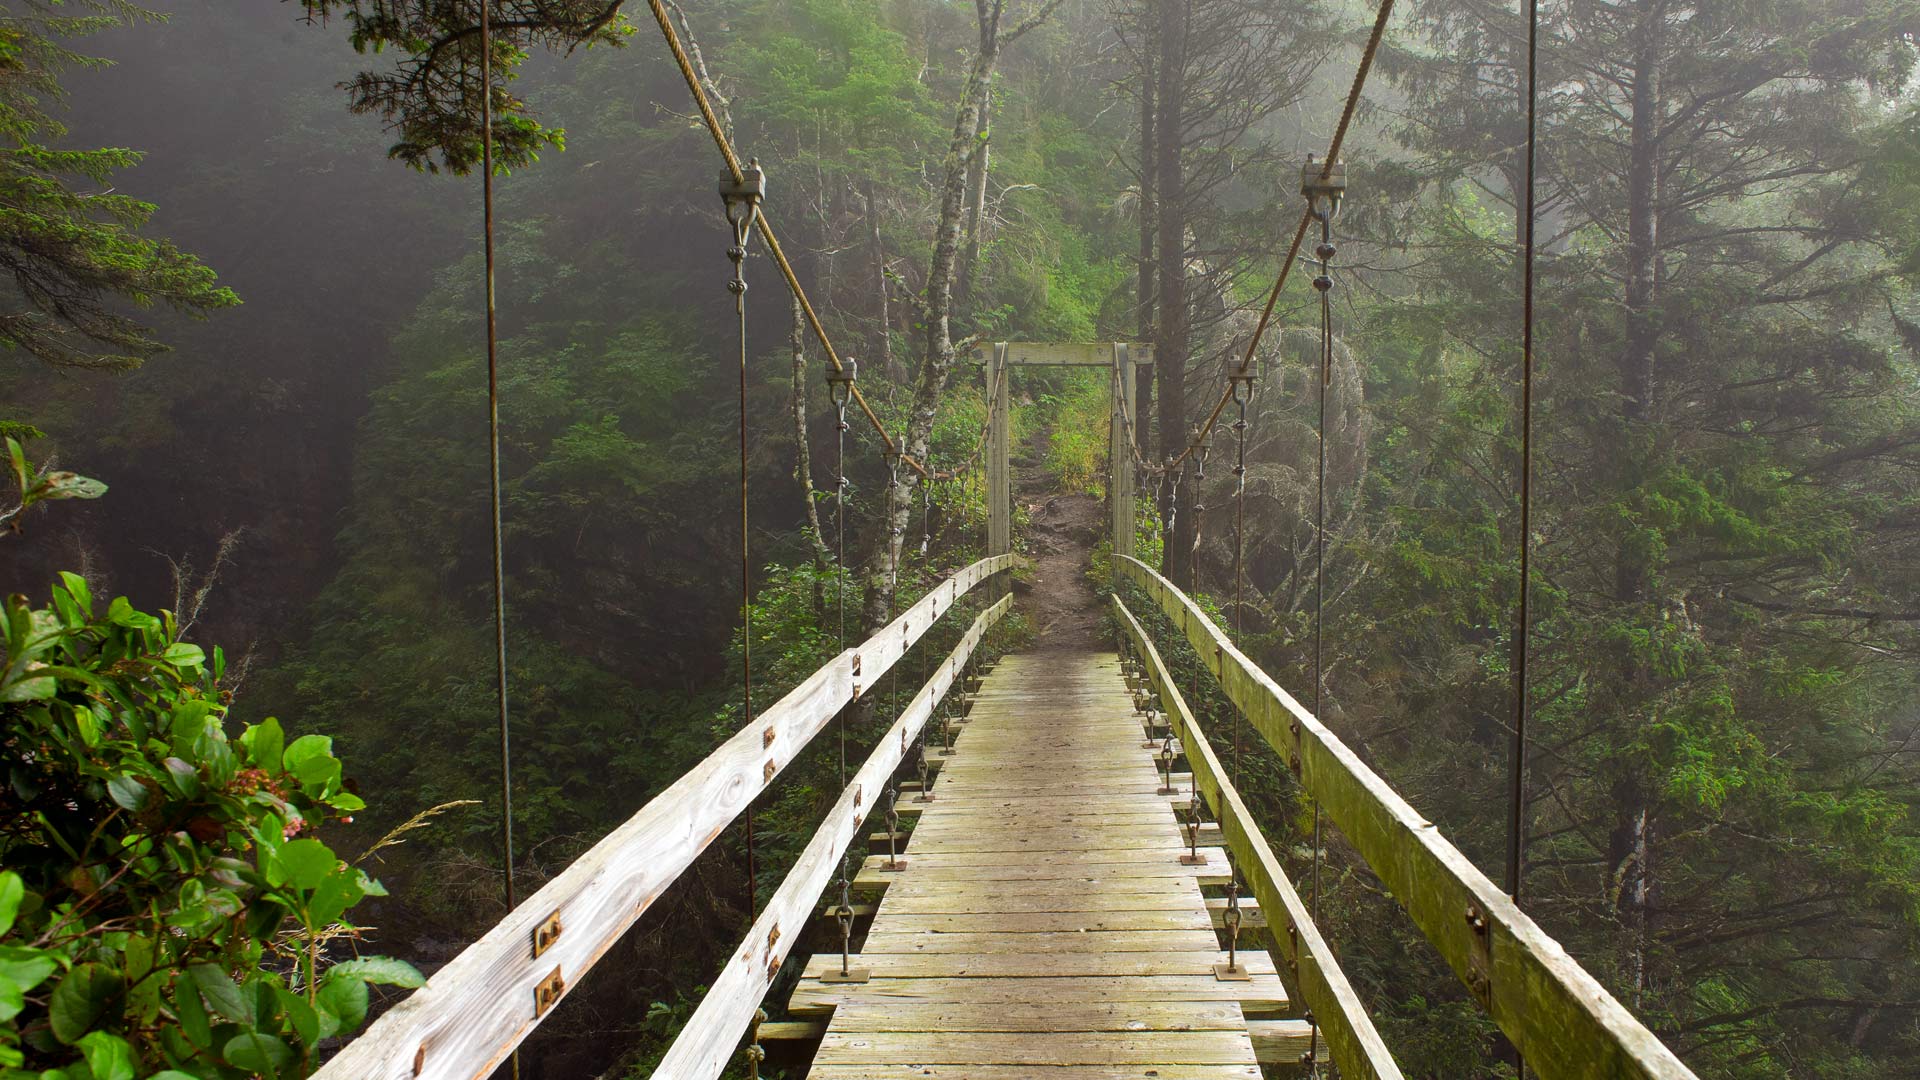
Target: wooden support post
point(1120, 453)
point(999, 475)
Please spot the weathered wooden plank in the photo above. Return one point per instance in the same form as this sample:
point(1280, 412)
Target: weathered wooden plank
point(1559, 1016)
point(1358, 1048)
point(1011, 924)
point(1032, 1072)
point(1146, 1048)
point(1019, 966)
point(475, 1010)
point(710, 1035)
point(1063, 353)
point(1060, 941)
point(966, 1016)
point(811, 996)
point(1286, 1043)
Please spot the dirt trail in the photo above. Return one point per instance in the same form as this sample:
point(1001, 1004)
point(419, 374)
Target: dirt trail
point(1060, 605)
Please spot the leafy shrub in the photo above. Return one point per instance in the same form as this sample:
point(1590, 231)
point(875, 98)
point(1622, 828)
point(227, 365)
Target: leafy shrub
point(165, 909)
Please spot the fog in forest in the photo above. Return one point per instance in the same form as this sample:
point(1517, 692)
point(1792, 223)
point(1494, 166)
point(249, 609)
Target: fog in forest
point(1721, 799)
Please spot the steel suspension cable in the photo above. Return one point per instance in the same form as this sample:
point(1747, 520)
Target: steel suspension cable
point(493, 471)
point(1517, 781)
point(725, 145)
point(493, 451)
point(1299, 234)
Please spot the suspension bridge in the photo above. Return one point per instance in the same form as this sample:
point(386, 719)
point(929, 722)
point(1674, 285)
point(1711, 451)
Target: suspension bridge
point(1060, 878)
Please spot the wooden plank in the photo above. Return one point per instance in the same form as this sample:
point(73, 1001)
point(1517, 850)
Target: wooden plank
point(1064, 353)
point(1008, 924)
point(1314, 970)
point(1073, 1016)
point(710, 1035)
point(1032, 1072)
point(1559, 1016)
point(997, 940)
point(1286, 1043)
point(1147, 1048)
point(812, 996)
point(475, 1010)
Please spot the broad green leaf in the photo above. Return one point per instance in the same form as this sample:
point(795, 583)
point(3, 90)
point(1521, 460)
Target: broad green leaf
point(219, 991)
point(183, 654)
point(25, 968)
point(12, 891)
point(34, 688)
point(12, 999)
point(183, 778)
point(344, 1003)
point(378, 969)
point(79, 999)
point(191, 1011)
point(108, 1056)
point(264, 742)
point(307, 748)
point(67, 485)
point(257, 1052)
point(128, 792)
point(307, 863)
point(305, 1021)
point(333, 897)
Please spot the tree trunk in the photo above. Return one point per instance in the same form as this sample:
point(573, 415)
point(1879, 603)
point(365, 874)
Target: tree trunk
point(937, 366)
point(1630, 843)
point(981, 164)
point(803, 446)
point(882, 295)
point(1170, 339)
point(1144, 267)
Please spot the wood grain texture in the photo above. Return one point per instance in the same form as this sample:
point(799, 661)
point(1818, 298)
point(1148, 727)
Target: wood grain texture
point(1563, 1021)
point(473, 1012)
point(1043, 924)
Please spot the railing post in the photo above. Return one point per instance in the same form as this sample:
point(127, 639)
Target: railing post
point(999, 477)
point(1120, 453)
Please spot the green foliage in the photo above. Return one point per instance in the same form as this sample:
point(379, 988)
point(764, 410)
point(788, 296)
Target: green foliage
point(70, 252)
point(430, 98)
point(166, 910)
point(43, 485)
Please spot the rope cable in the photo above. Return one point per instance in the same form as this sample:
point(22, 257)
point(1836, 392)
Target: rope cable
point(725, 145)
point(1300, 233)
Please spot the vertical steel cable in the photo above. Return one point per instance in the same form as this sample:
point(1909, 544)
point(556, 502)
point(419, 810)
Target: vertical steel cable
point(1323, 283)
point(1517, 763)
point(493, 452)
point(493, 470)
point(840, 390)
point(742, 198)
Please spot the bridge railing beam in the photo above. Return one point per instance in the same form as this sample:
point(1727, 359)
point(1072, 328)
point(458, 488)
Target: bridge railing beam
point(1310, 967)
point(474, 1011)
point(702, 1049)
point(1564, 1023)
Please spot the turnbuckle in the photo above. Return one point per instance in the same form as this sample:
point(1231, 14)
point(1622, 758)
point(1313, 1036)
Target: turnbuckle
point(1231, 971)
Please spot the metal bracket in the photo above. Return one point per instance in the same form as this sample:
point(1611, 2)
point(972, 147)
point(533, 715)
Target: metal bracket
point(1233, 973)
point(546, 934)
point(1479, 957)
point(853, 975)
point(548, 992)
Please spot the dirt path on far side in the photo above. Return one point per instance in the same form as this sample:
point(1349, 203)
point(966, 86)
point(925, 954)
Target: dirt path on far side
point(1060, 604)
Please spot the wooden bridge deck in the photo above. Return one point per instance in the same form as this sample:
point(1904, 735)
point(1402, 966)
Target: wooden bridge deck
point(1043, 925)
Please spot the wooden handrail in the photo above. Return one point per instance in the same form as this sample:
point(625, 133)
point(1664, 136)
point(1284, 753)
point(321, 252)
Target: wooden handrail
point(1311, 967)
point(474, 1011)
point(703, 1047)
point(1558, 1015)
